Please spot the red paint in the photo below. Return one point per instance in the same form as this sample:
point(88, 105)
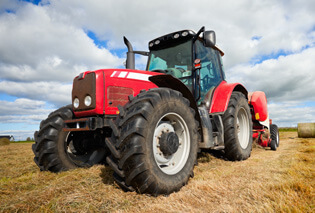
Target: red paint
point(128, 79)
point(264, 143)
point(259, 102)
point(255, 134)
point(135, 79)
point(221, 97)
point(258, 134)
point(99, 95)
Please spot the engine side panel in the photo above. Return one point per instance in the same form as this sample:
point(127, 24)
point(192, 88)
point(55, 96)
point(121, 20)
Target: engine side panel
point(119, 84)
point(113, 86)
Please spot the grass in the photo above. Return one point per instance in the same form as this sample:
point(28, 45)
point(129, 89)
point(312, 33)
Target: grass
point(287, 129)
point(281, 181)
point(23, 142)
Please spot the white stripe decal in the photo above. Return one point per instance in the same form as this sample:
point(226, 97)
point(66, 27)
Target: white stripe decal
point(113, 73)
point(138, 76)
point(122, 74)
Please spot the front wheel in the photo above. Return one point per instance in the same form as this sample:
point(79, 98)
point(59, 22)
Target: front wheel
point(156, 143)
point(56, 150)
point(237, 128)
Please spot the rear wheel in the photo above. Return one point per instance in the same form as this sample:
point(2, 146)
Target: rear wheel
point(56, 150)
point(275, 139)
point(237, 128)
point(155, 143)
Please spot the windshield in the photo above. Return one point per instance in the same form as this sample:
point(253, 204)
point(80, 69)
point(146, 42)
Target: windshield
point(176, 61)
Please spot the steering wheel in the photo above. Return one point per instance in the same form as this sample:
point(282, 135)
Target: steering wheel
point(159, 71)
point(181, 69)
point(206, 81)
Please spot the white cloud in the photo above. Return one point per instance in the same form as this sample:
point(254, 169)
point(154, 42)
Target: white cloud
point(21, 117)
point(24, 119)
point(282, 25)
point(6, 5)
point(22, 106)
point(37, 44)
point(44, 47)
point(288, 114)
point(288, 78)
point(56, 93)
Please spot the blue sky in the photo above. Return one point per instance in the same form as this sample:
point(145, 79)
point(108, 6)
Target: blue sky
point(269, 46)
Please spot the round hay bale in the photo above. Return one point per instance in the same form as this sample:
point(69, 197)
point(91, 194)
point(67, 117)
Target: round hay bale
point(4, 141)
point(306, 130)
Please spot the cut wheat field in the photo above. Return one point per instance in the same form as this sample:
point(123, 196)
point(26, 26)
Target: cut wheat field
point(269, 181)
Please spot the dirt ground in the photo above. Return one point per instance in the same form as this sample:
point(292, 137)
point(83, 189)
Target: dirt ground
point(269, 181)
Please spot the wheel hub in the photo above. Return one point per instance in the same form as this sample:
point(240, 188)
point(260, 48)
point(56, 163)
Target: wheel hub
point(169, 143)
point(242, 127)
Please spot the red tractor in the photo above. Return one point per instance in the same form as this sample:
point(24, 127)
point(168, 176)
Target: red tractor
point(148, 126)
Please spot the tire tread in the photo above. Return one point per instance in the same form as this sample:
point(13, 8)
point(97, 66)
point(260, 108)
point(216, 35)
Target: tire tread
point(128, 140)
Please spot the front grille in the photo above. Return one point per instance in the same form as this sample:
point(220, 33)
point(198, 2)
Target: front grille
point(83, 87)
point(118, 95)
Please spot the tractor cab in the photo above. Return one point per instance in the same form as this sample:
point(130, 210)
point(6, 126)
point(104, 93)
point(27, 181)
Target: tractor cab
point(194, 60)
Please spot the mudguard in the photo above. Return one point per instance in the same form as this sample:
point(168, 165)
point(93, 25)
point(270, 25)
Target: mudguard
point(222, 94)
point(259, 102)
point(174, 83)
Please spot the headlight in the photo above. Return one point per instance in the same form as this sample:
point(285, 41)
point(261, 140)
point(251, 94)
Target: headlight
point(87, 100)
point(185, 33)
point(76, 103)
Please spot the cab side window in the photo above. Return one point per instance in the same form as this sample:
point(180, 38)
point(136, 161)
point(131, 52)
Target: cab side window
point(210, 72)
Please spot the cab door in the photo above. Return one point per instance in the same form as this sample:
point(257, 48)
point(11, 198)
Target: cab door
point(210, 74)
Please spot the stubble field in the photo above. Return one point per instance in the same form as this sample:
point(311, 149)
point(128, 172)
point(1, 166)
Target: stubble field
point(269, 181)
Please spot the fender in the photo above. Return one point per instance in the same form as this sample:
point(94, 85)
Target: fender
point(175, 84)
point(222, 94)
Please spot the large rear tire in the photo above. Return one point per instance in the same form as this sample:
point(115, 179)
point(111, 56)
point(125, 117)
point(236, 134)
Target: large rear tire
point(275, 139)
point(155, 143)
point(56, 150)
point(237, 128)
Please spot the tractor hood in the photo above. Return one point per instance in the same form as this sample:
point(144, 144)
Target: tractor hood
point(100, 92)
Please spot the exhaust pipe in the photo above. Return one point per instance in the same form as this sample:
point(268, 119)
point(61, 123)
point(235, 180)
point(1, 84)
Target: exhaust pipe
point(130, 62)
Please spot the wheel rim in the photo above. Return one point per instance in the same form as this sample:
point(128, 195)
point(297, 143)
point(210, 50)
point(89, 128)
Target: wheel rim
point(171, 164)
point(82, 158)
point(243, 131)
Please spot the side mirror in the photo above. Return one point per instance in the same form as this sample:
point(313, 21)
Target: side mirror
point(209, 38)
